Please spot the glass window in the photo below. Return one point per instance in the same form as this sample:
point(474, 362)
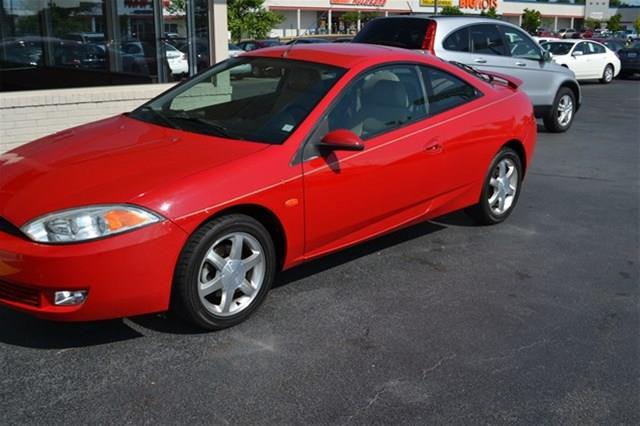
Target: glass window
point(228, 100)
point(486, 39)
point(596, 48)
point(558, 48)
point(378, 101)
point(582, 47)
point(70, 43)
point(445, 91)
point(520, 45)
point(408, 33)
point(458, 41)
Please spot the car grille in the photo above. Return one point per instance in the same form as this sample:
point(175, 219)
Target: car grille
point(19, 294)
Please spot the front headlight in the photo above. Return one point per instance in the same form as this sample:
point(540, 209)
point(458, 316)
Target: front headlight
point(88, 223)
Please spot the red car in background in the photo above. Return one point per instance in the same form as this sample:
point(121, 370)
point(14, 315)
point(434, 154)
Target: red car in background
point(197, 199)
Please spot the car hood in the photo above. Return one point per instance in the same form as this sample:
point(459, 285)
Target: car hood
point(116, 160)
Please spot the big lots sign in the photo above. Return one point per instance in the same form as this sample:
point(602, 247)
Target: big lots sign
point(478, 4)
point(376, 3)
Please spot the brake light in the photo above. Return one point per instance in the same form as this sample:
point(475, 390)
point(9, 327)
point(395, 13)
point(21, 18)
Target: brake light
point(430, 37)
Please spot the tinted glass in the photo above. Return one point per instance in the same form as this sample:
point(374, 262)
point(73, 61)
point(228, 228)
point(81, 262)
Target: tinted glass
point(445, 91)
point(520, 45)
point(596, 48)
point(458, 41)
point(485, 39)
point(229, 101)
point(582, 47)
point(558, 48)
point(378, 101)
point(408, 33)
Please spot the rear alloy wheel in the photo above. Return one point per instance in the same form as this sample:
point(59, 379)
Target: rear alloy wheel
point(224, 272)
point(501, 189)
point(561, 115)
point(607, 75)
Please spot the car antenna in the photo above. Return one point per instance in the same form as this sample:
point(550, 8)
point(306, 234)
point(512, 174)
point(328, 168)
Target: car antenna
point(286, 52)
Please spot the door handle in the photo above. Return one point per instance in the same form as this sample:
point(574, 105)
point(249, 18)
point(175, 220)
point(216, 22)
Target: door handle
point(480, 61)
point(521, 64)
point(433, 146)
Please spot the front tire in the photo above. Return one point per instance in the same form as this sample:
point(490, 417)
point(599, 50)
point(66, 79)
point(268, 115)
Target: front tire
point(224, 272)
point(501, 189)
point(562, 112)
point(607, 74)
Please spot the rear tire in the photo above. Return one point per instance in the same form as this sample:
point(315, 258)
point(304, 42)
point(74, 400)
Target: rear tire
point(607, 74)
point(562, 113)
point(224, 272)
point(500, 190)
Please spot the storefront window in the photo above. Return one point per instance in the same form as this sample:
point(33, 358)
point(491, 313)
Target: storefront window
point(76, 43)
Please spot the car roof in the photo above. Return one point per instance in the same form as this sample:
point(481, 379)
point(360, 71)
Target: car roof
point(345, 55)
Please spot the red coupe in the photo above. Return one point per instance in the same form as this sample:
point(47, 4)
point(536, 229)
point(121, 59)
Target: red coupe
point(194, 201)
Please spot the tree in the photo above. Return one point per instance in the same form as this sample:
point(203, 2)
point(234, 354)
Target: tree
point(490, 13)
point(451, 10)
point(636, 24)
point(177, 6)
point(614, 23)
point(531, 20)
point(591, 23)
point(249, 18)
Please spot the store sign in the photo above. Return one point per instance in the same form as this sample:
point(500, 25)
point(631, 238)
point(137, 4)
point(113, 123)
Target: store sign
point(478, 4)
point(443, 3)
point(376, 3)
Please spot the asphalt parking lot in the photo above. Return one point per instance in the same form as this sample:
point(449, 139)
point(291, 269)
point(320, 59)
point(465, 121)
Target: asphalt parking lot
point(536, 320)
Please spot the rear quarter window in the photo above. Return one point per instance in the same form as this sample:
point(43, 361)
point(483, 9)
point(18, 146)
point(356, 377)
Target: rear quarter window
point(458, 41)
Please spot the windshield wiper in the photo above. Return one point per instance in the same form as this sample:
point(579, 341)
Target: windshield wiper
point(218, 129)
point(159, 115)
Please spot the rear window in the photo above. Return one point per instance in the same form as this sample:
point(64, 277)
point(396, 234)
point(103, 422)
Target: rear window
point(408, 33)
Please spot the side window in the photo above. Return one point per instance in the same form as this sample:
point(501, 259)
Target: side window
point(380, 100)
point(596, 48)
point(582, 47)
point(445, 91)
point(485, 39)
point(457, 41)
point(520, 45)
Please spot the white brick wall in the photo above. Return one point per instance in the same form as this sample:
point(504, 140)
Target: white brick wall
point(25, 116)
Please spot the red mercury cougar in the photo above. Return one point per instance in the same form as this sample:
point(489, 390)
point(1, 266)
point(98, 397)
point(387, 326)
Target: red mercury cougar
point(194, 201)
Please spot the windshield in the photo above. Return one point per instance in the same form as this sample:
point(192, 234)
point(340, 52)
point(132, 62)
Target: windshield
point(558, 48)
point(248, 98)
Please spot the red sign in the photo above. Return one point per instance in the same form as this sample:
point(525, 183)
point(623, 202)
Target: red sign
point(478, 4)
point(376, 3)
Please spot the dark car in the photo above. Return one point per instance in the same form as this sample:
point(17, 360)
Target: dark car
point(249, 45)
point(343, 40)
point(630, 60)
point(614, 44)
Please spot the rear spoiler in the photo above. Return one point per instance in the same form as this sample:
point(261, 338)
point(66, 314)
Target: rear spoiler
point(510, 81)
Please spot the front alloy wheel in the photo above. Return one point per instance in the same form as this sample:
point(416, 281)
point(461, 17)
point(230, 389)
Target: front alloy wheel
point(607, 75)
point(224, 272)
point(562, 112)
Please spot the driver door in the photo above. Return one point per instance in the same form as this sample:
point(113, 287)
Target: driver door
point(350, 196)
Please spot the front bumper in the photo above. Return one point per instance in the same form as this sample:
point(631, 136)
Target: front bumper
point(124, 275)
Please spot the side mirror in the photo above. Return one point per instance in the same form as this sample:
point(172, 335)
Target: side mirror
point(341, 140)
point(547, 56)
point(577, 53)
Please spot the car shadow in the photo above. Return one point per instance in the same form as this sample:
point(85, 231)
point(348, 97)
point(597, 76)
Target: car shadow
point(19, 329)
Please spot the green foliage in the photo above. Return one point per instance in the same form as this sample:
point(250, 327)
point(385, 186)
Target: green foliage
point(591, 23)
point(177, 6)
point(249, 19)
point(451, 10)
point(636, 24)
point(349, 18)
point(531, 20)
point(490, 13)
point(614, 23)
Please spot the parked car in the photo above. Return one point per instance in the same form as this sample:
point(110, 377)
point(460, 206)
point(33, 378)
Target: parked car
point(589, 60)
point(628, 35)
point(566, 32)
point(614, 44)
point(250, 45)
point(490, 45)
point(140, 57)
point(195, 200)
point(238, 72)
point(630, 60)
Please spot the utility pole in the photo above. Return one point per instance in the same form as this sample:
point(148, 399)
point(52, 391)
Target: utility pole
point(435, 7)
